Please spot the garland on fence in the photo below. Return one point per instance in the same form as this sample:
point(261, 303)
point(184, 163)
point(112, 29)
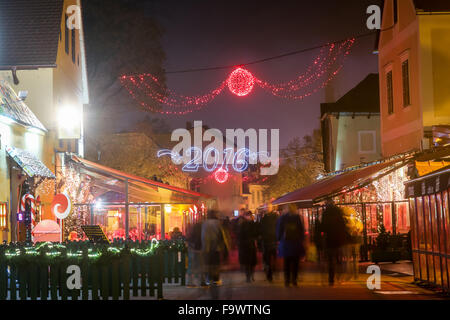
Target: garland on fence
point(76, 250)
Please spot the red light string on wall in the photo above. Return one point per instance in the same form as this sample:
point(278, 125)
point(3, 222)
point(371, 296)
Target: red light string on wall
point(147, 90)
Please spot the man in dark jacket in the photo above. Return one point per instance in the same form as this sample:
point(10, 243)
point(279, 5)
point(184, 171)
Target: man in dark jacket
point(195, 255)
point(335, 234)
point(268, 228)
point(247, 245)
point(290, 234)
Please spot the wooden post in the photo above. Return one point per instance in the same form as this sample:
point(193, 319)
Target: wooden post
point(3, 275)
point(126, 275)
point(151, 274)
point(94, 271)
point(160, 275)
point(116, 283)
point(12, 282)
point(54, 270)
point(85, 274)
point(163, 224)
point(91, 214)
point(134, 274)
point(364, 216)
point(394, 218)
point(143, 270)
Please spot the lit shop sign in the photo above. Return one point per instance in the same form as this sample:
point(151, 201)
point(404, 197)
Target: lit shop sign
point(231, 156)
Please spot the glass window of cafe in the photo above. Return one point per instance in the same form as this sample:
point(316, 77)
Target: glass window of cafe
point(144, 220)
point(430, 238)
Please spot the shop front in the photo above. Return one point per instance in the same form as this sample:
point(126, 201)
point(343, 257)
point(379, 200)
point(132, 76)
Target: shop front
point(429, 210)
point(372, 196)
point(123, 205)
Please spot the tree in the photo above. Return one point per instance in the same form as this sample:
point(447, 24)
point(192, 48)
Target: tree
point(120, 39)
point(300, 164)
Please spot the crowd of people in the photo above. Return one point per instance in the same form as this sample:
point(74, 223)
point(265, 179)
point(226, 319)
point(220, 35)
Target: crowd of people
point(276, 234)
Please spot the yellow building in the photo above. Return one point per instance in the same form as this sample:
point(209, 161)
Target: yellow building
point(42, 59)
point(414, 63)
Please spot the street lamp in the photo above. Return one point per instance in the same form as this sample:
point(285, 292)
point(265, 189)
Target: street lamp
point(69, 122)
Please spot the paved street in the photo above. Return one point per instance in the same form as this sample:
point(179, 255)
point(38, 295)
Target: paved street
point(312, 286)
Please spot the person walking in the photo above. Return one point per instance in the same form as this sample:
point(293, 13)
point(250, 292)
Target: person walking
point(268, 233)
point(195, 256)
point(290, 234)
point(247, 236)
point(212, 246)
point(334, 229)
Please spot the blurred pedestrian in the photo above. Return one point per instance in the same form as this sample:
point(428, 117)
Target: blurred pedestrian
point(290, 234)
point(195, 256)
point(268, 232)
point(247, 237)
point(176, 234)
point(333, 227)
point(212, 246)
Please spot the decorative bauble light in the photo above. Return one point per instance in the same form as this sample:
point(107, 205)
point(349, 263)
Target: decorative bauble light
point(241, 82)
point(221, 175)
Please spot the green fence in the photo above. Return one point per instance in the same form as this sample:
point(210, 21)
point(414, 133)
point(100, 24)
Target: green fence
point(108, 271)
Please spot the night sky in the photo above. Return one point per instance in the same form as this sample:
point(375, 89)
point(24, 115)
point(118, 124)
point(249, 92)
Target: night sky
point(210, 33)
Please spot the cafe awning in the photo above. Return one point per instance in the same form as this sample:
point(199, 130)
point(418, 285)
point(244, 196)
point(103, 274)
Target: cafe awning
point(431, 183)
point(29, 163)
point(140, 189)
point(343, 182)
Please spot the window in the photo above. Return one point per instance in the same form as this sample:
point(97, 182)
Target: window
point(3, 216)
point(367, 142)
point(405, 80)
point(395, 11)
point(66, 34)
point(390, 92)
point(73, 44)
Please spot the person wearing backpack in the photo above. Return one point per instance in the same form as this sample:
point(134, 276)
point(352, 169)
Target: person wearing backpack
point(290, 234)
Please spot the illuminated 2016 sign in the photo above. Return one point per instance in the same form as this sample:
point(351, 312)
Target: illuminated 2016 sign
point(210, 161)
point(235, 150)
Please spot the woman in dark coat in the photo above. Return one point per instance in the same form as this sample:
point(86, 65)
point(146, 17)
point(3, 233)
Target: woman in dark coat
point(247, 245)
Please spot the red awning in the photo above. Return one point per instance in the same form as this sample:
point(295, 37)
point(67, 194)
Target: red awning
point(122, 175)
point(335, 184)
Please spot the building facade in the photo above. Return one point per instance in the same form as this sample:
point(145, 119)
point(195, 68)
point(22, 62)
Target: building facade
point(414, 63)
point(351, 127)
point(43, 62)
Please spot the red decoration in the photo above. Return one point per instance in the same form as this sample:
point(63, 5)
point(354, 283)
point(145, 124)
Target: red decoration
point(221, 175)
point(25, 197)
point(240, 82)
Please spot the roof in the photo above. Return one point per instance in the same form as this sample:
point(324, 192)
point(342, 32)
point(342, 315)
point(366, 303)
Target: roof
point(431, 183)
point(432, 5)
point(336, 184)
point(29, 32)
point(125, 176)
point(29, 163)
point(11, 106)
point(364, 97)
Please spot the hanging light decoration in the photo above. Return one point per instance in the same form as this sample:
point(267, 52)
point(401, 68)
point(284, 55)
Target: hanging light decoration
point(241, 82)
point(221, 175)
point(323, 69)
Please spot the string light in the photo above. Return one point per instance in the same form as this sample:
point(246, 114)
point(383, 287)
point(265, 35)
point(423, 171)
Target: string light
point(240, 82)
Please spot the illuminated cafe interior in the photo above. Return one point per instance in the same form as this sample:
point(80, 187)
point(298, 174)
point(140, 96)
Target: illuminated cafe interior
point(128, 206)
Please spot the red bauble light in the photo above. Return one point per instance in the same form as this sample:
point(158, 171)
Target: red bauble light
point(221, 175)
point(241, 82)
